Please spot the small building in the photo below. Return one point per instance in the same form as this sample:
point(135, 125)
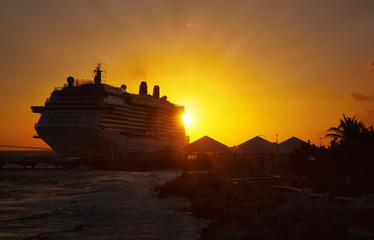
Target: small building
point(286, 148)
point(290, 145)
point(207, 153)
point(255, 153)
point(207, 146)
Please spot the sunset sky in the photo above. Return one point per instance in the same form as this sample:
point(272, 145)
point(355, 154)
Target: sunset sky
point(240, 68)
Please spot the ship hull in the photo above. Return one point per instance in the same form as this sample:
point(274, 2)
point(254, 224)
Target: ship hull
point(88, 142)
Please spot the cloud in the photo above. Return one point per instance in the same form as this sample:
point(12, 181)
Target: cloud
point(138, 74)
point(369, 112)
point(360, 97)
point(370, 66)
point(192, 25)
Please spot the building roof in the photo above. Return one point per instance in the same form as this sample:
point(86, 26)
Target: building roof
point(256, 145)
point(290, 145)
point(206, 144)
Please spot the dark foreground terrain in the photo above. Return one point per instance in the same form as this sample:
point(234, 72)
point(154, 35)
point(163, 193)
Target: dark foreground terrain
point(254, 211)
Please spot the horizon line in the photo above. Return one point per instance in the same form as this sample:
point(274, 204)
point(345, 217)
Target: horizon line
point(26, 147)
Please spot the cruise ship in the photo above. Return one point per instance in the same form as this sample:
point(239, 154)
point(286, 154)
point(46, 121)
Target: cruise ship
point(89, 118)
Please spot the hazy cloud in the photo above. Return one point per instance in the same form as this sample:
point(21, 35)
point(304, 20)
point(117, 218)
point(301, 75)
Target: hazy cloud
point(192, 25)
point(370, 112)
point(360, 97)
point(370, 66)
point(138, 74)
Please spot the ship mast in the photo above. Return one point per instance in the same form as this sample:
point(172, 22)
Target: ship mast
point(97, 73)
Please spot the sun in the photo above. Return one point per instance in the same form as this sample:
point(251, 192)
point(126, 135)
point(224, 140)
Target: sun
point(186, 119)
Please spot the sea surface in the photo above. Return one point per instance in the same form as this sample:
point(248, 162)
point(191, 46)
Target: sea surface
point(89, 204)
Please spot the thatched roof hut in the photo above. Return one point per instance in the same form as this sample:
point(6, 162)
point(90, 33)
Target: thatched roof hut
point(256, 145)
point(207, 144)
point(290, 145)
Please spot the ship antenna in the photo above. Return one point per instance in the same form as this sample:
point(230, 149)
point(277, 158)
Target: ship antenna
point(97, 73)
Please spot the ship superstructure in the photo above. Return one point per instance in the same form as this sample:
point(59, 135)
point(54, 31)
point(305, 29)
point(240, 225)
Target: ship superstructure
point(90, 118)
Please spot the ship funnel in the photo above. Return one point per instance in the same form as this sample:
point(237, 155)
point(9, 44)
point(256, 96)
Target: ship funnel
point(143, 89)
point(70, 81)
point(156, 91)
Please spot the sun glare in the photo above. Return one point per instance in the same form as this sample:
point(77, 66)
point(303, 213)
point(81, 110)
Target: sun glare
point(186, 119)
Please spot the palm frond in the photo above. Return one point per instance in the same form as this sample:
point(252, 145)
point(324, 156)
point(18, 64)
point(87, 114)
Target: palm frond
point(334, 135)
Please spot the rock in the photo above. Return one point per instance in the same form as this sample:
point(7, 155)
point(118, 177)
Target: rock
point(285, 225)
point(256, 234)
point(324, 227)
point(266, 219)
point(238, 198)
point(248, 212)
point(340, 227)
point(252, 211)
point(217, 231)
point(218, 206)
point(339, 210)
point(361, 233)
point(212, 180)
point(267, 193)
point(209, 207)
point(238, 225)
point(317, 227)
point(79, 227)
point(299, 207)
point(38, 237)
point(272, 203)
point(227, 188)
point(231, 213)
point(326, 200)
point(267, 204)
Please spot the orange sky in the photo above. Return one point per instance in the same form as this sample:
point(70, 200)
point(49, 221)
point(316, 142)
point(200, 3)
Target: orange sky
point(241, 68)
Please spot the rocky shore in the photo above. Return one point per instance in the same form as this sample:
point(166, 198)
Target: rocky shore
point(254, 211)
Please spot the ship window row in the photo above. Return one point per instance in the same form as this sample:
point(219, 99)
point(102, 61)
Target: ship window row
point(130, 111)
point(124, 114)
point(160, 113)
point(51, 122)
point(75, 102)
point(122, 125)
point(130, 108)
point(134, 119)
point(121, 128)
point(116, 119)
point(67, 117)
point(124, 122)
point(68, 99)
point(68, 113)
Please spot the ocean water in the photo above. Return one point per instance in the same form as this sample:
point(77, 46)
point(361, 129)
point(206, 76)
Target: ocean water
point(90, 204)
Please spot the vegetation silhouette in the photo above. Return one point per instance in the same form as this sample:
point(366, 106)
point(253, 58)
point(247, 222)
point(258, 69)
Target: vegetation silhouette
point(350, 133)
point(348, 128)
point(345, 166)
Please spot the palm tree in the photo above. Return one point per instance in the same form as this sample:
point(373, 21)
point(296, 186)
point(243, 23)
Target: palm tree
point(368, 136)
point(348, 132)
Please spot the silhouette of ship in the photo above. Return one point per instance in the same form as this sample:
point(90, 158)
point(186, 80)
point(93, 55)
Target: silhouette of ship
point(89, 118)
